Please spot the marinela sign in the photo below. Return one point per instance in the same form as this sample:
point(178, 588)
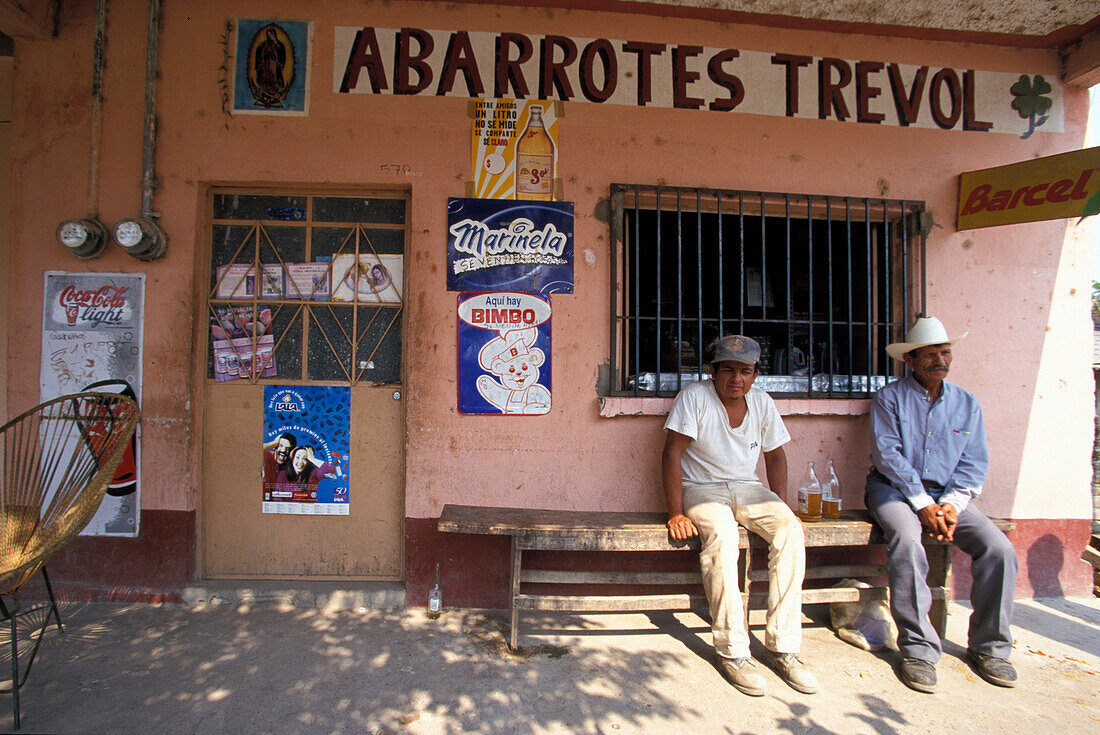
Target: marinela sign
point(415, 61)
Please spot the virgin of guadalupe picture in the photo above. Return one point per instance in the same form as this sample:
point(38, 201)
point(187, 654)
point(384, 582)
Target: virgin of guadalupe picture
point(269, 74)
point(271, 66)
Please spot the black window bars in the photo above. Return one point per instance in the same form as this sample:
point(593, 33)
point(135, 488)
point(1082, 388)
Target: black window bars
point(822, 282)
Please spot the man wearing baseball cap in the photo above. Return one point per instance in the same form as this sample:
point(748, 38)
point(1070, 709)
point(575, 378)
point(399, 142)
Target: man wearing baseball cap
point(716, 431)
point(929, 457)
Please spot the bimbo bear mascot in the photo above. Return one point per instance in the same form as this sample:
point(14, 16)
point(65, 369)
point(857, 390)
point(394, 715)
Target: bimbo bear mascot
point(512, 359)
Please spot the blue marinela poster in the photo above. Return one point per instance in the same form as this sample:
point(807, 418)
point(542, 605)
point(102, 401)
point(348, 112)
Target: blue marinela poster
point(507, 245)
point(306, 447)
point(271, 66)
point(503, 353)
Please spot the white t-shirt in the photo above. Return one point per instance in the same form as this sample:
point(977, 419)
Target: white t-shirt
point(718, 452)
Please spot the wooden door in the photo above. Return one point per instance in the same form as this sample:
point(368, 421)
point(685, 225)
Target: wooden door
point(290, 331)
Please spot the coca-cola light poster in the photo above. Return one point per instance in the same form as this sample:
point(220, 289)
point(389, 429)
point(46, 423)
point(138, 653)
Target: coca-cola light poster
point(91, 340)
point(505, 245)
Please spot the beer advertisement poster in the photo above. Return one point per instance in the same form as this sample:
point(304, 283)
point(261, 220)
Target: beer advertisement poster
point(306, 449)
point(502, 245)
point(92, 326)
point(514, 149)
point(503, 353)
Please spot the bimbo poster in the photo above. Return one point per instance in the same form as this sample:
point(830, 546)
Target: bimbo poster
point(306, 447)
point(92, 340)
point(504, 353)
point(504, 245)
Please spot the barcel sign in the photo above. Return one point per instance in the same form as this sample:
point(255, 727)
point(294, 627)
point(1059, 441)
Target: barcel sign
point(1066, 185)
point(478, 64)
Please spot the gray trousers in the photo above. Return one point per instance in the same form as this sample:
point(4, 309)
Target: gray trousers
point(993, 563)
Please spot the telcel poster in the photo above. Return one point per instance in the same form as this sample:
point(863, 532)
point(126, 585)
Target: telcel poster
point(500, 245)
point(306, 448)
point(91, 340)
point(504, 353)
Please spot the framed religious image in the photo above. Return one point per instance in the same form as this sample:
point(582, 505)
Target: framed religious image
point(271, 67)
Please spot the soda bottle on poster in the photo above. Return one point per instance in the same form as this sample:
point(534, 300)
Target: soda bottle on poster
point(535, 160)
point(809, 496)
point(830, 501)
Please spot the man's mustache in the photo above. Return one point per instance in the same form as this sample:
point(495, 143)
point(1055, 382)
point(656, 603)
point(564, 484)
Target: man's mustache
point(941, 368)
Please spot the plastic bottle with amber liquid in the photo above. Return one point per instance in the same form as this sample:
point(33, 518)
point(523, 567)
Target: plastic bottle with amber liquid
point(809, 496)
point(830, 499)
point(535, 160)
point(435, 597)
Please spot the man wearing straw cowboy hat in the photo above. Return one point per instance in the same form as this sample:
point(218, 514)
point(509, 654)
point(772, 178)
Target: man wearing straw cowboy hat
point(930, 459)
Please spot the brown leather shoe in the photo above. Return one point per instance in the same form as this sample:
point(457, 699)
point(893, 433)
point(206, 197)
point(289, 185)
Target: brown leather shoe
point(795, 672)
point(744, 676)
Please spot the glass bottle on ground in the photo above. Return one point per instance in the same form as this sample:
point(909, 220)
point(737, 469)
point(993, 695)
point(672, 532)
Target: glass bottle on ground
point(435, 597)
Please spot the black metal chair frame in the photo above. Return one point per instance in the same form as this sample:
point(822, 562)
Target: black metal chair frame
point(12, 613)
point(58, 458)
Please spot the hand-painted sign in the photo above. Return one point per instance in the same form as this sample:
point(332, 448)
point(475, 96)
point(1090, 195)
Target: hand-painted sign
point(497, 244)
point(1065, 185)
point(306, 449)
point(503, 353)
point(415, 61)
point(514, 150)
point(92, 327)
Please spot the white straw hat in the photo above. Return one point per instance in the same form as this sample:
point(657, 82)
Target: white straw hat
point(927, 330)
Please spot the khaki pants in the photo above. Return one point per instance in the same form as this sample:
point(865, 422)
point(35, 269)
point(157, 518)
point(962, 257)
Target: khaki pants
point(716, 509)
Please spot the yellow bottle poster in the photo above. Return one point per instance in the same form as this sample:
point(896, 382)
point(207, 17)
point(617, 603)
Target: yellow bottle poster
point(514, 149)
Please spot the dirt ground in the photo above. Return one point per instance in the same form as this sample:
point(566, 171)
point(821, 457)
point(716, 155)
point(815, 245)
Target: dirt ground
point(131, 668)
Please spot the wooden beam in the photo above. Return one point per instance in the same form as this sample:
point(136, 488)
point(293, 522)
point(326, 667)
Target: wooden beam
point(33, 19)
point(1081, 61)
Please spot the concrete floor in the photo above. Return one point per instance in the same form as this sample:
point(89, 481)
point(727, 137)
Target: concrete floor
point(274, 668)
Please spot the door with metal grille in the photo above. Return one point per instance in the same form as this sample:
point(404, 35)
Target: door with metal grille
point(305, 288)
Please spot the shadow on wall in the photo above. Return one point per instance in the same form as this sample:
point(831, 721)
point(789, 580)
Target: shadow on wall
point(1044, 566)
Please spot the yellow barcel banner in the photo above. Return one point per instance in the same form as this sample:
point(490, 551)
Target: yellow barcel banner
point(1066, 185)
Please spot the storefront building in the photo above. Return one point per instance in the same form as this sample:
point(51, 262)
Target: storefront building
point(318, 170)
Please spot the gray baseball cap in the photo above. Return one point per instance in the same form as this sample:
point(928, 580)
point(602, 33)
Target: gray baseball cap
point(735, 348)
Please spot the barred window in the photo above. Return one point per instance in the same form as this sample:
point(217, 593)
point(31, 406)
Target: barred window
point(822, 282)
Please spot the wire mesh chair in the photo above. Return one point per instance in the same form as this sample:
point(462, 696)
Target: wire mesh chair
point(55, 462)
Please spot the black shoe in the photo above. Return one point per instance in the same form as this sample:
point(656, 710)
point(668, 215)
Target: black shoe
point(918, 674)
point(994, 670)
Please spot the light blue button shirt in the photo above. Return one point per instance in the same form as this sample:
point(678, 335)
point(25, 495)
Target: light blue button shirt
point(915, 439)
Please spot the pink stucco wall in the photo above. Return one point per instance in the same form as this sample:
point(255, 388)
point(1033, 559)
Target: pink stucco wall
point(999, 283)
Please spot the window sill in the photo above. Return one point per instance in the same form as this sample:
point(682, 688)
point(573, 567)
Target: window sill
point(612, 406)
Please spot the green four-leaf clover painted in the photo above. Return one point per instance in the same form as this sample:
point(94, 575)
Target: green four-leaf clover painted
point(1031, 102)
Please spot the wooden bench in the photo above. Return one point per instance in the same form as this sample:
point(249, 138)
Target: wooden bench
point(562, 530)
